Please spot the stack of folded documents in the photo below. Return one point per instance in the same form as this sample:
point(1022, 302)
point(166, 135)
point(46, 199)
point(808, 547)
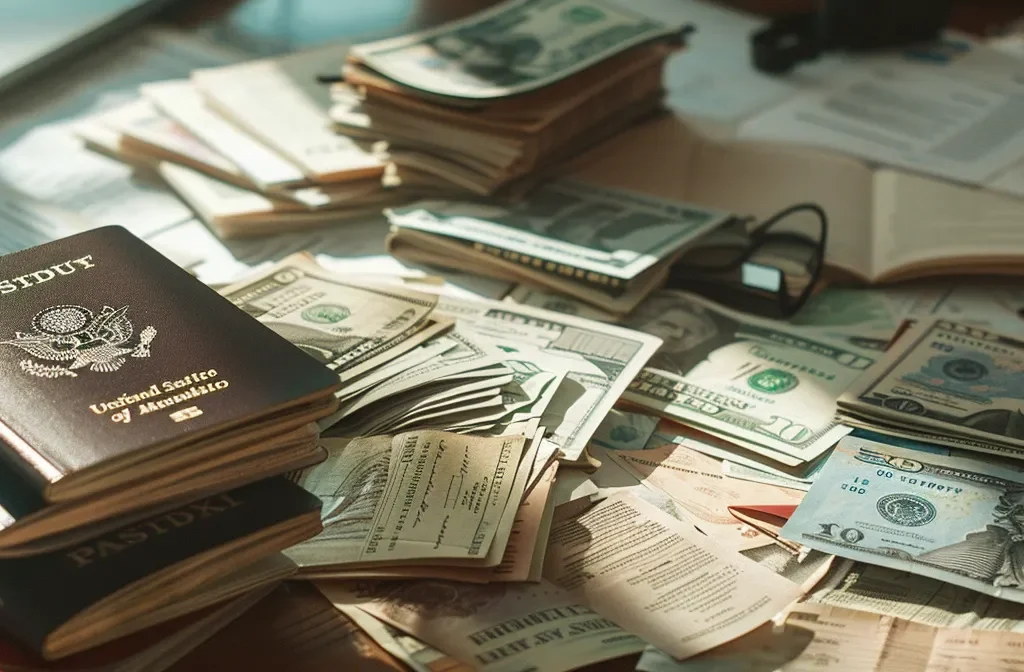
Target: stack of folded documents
point(498, 97)
point(249, 172)
point(607, 247)
point(145, 422)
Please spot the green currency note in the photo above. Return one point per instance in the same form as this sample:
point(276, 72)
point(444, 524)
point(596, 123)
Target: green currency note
point(605, 231)
point(760, 383)
point(596, 361)
point(949, 378)
point(343, 325)
point(513, 48)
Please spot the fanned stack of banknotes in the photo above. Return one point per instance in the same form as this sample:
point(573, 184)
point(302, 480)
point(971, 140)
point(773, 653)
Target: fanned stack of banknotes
point(593, 468)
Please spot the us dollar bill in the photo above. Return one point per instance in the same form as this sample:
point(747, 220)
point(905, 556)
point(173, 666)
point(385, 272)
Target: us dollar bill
point(762, 384)
point(597, 360)
point(607, 232)
point(944, 516)
point(946, 377)
point(515, 47)
point(348, 327)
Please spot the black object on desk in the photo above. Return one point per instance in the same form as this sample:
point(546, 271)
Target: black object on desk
point(771, 274)
point(851, 25)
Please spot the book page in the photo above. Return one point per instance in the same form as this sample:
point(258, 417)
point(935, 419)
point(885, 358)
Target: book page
point(922, 222)
point(661, 578)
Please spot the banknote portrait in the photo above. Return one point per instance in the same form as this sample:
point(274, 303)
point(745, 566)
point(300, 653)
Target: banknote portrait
point(994, 555)
point(501, 58)
point(688, 331)
point(969, 374)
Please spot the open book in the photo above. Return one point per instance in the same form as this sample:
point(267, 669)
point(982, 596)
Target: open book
point(884, 224)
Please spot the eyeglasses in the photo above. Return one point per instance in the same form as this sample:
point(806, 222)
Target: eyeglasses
point(769, 268)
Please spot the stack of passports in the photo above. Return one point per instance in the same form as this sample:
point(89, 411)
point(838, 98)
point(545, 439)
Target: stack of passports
point(144, 425)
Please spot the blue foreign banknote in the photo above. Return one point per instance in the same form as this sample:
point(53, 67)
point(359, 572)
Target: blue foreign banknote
point(952, 518)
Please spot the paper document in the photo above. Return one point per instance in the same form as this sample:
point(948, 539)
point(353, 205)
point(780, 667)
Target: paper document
point(501, 628)
point(416, 496)
point(179, 100)
point(661, 578)
point(816, 638)
point(714, 78)
point(447, 499)
point(953, 120)
point(51, 164)
point(697, 483)
point(281, 103)
point(26, 223)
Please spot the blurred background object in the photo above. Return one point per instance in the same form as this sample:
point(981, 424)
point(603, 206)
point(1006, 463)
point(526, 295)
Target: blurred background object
point(34, 35)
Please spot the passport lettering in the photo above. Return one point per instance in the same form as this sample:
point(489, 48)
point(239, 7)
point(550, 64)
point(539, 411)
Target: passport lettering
point(162, 395)
point(45, 274)
point(116, 542)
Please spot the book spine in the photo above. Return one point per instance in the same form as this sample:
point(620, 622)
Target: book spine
point(602, 282)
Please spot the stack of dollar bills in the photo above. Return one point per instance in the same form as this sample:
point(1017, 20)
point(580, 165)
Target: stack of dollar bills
point(493, 99)
point(606, 247)
point(410, 359)
point(945, 383)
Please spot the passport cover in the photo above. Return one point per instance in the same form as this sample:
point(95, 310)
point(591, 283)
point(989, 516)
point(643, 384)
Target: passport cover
point(107, 348)
point(40, 593)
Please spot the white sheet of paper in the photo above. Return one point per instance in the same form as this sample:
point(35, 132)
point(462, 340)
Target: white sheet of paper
point(660, 578)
